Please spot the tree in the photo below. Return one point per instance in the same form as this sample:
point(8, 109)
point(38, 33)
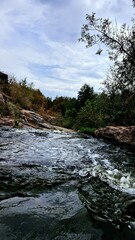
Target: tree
point(120, 43)
point(70, 117)
point(120, 81)
point(92, 114)
point(85, 93)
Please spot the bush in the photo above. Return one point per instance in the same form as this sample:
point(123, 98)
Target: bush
point(12, 110)
point(87, 130)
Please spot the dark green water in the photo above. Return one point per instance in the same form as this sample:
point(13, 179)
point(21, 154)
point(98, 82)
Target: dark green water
point(65, 186)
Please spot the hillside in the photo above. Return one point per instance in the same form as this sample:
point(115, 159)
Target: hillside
point(21, 104)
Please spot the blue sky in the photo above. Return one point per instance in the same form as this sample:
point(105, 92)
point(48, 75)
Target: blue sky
point(39, 41)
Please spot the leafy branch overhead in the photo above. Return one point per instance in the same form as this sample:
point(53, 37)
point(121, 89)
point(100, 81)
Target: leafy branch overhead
point(120, 44)
point(119, 41)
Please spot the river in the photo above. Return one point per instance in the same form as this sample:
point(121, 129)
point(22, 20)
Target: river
point(64, 186)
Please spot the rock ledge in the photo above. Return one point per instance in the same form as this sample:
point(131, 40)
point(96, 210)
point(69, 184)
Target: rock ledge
point(120, 134)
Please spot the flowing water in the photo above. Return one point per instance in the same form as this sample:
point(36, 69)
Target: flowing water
point(63, 186)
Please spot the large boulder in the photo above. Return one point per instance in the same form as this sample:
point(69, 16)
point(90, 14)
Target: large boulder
point(30, 116)
point(120, 134)
point(33, 119)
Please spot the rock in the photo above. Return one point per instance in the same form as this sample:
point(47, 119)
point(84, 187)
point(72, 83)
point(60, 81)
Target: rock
point(105, 203)
point(119, 134)
point(3, 78)
point(2, 101)
point(129, 208)
point(7, 122)
point(37, 121)
point(4, 86)
point(62, 129)
point(30, 116)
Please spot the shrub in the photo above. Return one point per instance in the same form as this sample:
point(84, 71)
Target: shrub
point(87, 130)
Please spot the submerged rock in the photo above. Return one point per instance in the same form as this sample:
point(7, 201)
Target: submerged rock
point(107, 204)
point(120, 134)
point(129, 208)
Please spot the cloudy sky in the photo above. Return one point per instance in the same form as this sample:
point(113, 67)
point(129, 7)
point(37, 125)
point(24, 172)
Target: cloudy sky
point(39, 41)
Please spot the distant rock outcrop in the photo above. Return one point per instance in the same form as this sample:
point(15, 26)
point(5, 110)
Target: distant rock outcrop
point(120, 134)
point(3, 78)
point(3, 82)
point(33, 119)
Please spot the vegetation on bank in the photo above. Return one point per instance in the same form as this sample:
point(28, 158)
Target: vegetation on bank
point(115, 105)
point(86, 113)
point(90, 131)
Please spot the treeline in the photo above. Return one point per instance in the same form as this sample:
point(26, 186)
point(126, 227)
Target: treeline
point(92, 110)
point(88, 111)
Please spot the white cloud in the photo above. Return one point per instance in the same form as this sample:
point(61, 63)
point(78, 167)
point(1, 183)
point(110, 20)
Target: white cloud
point(37, 35)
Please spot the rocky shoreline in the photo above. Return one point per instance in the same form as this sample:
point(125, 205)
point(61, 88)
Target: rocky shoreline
point(119, 134)
point(30, 119)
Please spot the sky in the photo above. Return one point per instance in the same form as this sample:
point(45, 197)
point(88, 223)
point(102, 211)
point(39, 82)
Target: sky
point(39, 42)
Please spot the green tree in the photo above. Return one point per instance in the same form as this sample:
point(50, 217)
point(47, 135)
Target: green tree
point(85, 93)
point(120, 81)
point(70, 112)
point(91, 115)
point(59, 104)
point(70, 117)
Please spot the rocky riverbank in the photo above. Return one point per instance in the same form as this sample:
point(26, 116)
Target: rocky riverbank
point(120, 134)
point(31, 119)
